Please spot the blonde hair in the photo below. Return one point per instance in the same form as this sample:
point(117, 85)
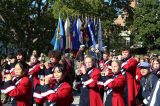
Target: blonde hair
point(118, 62)
point(91, 57)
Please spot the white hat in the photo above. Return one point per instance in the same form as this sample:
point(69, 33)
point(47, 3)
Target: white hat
point(82, 46)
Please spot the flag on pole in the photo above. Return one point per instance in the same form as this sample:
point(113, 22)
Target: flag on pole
point(91, 35)
point(61, 27)
point(67, 33)
point(79, 26)
point(53, 40)
point(54, 37)
point(95, 28)
point(85, 32)
point(57, 39)
point(100, 36)
point(75, 37)
point(61, 33)
point(71, 32)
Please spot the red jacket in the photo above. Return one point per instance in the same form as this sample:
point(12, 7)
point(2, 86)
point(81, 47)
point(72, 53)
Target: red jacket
point(117, 85)
point(21, 91)
point(62, 95)
point(91, 84)
point(33, 72)
point(137, 81)
point(130, 68)
point(103, 64)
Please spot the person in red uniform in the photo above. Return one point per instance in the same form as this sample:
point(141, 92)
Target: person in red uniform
point(105, 65)
point(129, 70)
point(117, 84)
point(80, 53)
point(55, 91)
point(137, 77)
point(90, 94)
point(137, 81)
point(105, 61)
point(20, 91)
point(11, 61)
point(55, 57)
point(33, 72)
point(34, 69)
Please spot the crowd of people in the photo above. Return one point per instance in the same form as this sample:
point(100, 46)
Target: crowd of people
point(100, 78)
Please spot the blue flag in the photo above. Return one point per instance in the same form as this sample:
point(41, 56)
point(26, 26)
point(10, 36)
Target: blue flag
point(91, 35)
point(100, 36)
point(54, 37)
point(75, 37)
point(61, 27)
point(79, 25)
point(61, 33)
point(57, 39)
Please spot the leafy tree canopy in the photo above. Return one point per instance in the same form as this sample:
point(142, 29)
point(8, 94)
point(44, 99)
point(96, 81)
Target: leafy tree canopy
point(26, 23)
point(146, 24)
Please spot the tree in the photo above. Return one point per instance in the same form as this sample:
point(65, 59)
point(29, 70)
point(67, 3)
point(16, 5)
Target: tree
point(31, 23)
point(26, 23)
point(146, 24)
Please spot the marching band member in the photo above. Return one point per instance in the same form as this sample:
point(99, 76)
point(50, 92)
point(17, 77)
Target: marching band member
point(34, 69)
point(90, 95)
point(56, 91)
point(21, 89)
point(80, 54)
point(55, 57)
point(129, 70)
point(105, 61)
point(116, 85)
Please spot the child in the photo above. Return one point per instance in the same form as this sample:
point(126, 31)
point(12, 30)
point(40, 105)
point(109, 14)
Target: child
point(116, 84)
point(57, 90)
point(21, 89)
point(90, 95)
point(156, 67)
point(147, 83)
point(34, 70)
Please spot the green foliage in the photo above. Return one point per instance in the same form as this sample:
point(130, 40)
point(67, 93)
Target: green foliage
point(26, 23)
point(31, 23)
point(155, 51)
point(146, 25)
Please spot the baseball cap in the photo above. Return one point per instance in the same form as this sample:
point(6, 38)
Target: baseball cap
point(144, 65)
